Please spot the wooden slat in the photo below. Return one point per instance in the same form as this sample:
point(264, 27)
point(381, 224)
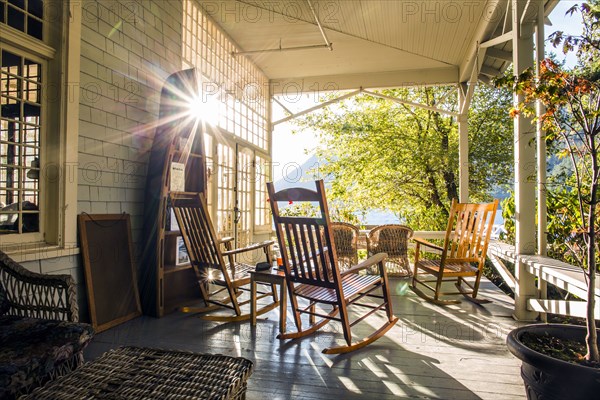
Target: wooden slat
point(562, 307)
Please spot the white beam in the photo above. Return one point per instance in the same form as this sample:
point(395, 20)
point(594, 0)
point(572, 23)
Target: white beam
point(410, 103)
point(542, 208)
point(497, 40)
point(390, 79)
point(486, 25)
point(562, 307)
point(489, 71)
point(287, 110)
point(525, 165)
point(500, 54)
point(317, 107)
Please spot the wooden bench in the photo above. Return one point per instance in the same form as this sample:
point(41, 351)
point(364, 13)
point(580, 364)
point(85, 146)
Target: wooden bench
point(548, 270)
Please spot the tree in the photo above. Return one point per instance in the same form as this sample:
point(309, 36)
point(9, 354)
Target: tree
point(381, 154)
point(572, 102)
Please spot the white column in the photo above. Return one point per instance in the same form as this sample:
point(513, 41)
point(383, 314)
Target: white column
point(525, 168)
point(463, 145)
point(541, 140)
point(541, 157)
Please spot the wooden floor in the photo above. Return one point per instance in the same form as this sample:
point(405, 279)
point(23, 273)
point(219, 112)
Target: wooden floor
point(452, 352)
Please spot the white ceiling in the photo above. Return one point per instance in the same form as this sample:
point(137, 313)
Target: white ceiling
point(376, 43)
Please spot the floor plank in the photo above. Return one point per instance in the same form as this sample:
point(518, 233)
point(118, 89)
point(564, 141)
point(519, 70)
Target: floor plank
point(452, 352)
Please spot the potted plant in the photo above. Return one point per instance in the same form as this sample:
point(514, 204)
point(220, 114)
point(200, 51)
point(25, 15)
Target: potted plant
point(562, 361)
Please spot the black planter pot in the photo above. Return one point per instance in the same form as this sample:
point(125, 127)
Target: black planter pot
point(547, 378)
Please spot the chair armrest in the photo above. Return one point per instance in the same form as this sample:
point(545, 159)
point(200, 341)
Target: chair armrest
point(255, 246)
point(428, 244)
point(369, 262)
point(462, 260)
point(37, 295)
point(226, 239)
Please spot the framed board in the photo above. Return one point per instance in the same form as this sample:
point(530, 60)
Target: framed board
point(110, 277)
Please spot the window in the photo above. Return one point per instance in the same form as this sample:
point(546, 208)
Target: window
point(21, 108)
point(24, 15)
point(20, 126)
point(241, 127)
point(262, 209)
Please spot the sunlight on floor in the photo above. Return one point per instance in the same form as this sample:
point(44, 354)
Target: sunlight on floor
point(324, 358)
point(349, 384)
point(314, 366)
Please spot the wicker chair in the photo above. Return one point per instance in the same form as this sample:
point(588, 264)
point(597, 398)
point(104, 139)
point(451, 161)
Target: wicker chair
point(393, 240)
point(39, 333)
point(345, 237)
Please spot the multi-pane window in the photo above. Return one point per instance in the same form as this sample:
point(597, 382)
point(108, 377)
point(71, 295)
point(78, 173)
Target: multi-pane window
point(24, 15)
point(244, 199)
point(240, 87)
point(262, 209)
point(240, 116)
point(20, 133)
point(225, 189)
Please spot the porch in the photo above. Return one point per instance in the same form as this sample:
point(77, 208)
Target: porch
point(452, 352)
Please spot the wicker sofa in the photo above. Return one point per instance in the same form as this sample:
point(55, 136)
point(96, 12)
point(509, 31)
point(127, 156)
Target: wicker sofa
point(40, 337)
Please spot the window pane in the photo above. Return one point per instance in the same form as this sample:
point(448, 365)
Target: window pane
point(17, 3)
point(36, 7)
point(35, 28)
point(26, 16)
point(19, 144)
point(16, 19)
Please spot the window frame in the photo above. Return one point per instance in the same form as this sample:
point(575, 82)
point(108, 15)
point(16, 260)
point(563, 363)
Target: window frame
point(28, 237)
point(60, 52)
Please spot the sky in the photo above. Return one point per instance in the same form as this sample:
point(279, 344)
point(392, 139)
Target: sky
point(291, 150)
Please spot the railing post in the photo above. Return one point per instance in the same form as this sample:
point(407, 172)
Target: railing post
point(463, 145)
point(525, 168)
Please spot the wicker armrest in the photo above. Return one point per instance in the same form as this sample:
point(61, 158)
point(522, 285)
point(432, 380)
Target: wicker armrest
point(373, 260)
point(38, 295)
point(251, 247)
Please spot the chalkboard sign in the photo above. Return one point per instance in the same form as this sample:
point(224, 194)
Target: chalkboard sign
point(106, 248)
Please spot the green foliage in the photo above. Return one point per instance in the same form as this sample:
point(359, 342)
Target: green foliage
point(337, 212)
point(387, 155)
point(571, 99)
point(564, 241)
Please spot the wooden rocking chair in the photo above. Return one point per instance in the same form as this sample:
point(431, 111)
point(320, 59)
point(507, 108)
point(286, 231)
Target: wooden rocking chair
point(214, 266)
point(462, 255)
point(312, 272)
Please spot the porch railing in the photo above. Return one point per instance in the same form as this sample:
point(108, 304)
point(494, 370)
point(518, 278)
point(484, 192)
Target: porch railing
point(547, 270)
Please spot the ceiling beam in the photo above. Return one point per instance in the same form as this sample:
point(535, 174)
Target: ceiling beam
point(499, 54)
point(489, 71)
point(484, 29)
point(317, 107)
point(390, 79)
point(411, 103)
point(497, 40)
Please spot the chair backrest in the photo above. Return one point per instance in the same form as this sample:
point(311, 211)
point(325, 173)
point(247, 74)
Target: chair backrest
point(345, 237)
point(306, 243)
point(197, 230)
point(469, 229)
point(391, 239)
